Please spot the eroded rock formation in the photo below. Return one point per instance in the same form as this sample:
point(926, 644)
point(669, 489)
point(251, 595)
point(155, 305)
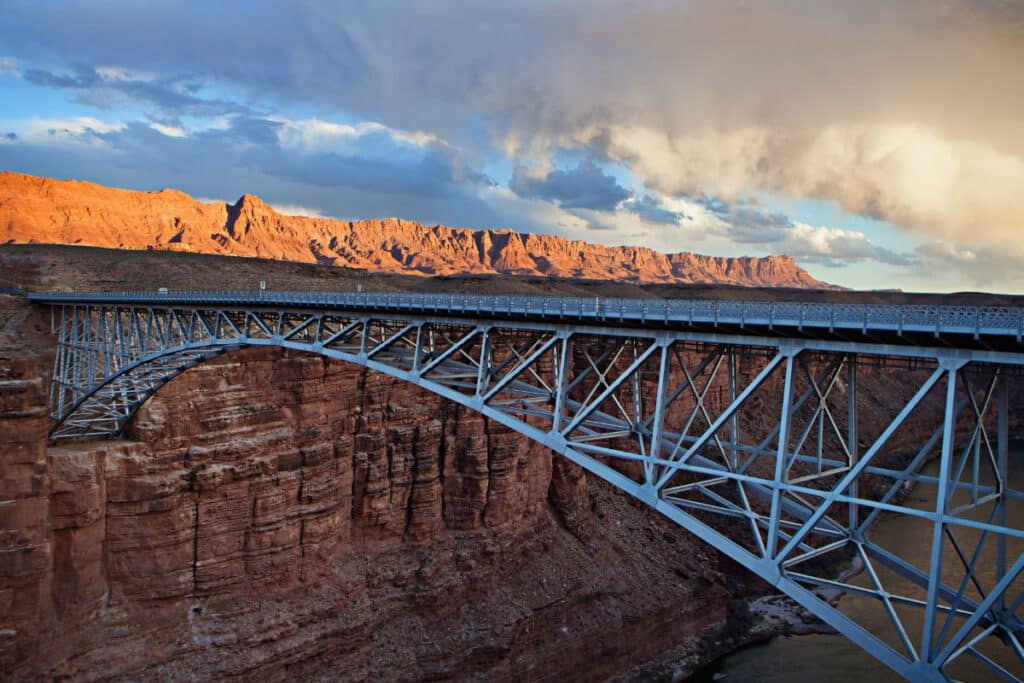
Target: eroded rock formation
point(46, 211)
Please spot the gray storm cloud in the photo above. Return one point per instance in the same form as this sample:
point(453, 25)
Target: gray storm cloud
point(908, 112)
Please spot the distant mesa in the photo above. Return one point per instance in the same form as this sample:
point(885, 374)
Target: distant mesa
point(47, 211)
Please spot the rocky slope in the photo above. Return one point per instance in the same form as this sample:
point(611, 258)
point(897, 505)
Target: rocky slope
point(45, 211)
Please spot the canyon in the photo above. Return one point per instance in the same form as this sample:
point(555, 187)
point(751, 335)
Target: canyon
point(271, 514)
point(37, 210)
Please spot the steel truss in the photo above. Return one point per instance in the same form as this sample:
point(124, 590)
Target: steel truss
point(761, 446)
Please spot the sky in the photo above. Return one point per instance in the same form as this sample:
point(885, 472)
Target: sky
point(880, 144)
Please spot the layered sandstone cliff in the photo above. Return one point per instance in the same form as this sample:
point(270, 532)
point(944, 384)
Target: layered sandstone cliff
point(46, 211)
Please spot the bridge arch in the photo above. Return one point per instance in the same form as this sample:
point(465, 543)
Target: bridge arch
point(533, 378)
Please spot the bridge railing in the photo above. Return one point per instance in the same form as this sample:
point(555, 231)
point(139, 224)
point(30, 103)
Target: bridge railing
point(976, 320)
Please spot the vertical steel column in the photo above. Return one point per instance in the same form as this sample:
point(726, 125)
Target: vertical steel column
point(364, 338)
point(637, 400)
point(90, 344)
point(780, 456)
point(60, 366)
point(1003, 482)
point(102, 331)
point(659, 413)
point(319, 329)
point(119, 333)
point(638, 411)
point(734, 428)
point(140, 341)
point(483, 372)
point(851, 431)
point(417, 348)
point(822, 401)
point(938, 536)
point(561, 383)
point(979, 436)
point(122, 357)
point(74, 342)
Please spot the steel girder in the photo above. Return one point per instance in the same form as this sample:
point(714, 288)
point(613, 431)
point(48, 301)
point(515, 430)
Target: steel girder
point(760, 446)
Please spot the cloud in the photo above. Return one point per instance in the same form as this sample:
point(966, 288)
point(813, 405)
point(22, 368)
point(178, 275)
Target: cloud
point(713, 204)
point(887, 109)
point(119, 73)
point(78, 131)
point(905, 174)
point(298, 210)
point(948, 251)
point(750, 226)
point(779, 233)
point(315, 135)
point(835, 246)
point(107, 87)
point(368, 156)
point(908, 112)
point(652, 210)
point(169, 131)
point(979, 265)
point(246, 156)
point(584, 187)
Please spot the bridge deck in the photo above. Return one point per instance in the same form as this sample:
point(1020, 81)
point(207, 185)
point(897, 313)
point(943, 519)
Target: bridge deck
point(996, 328)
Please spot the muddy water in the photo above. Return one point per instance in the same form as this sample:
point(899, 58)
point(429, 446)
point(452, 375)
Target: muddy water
point(837, 660)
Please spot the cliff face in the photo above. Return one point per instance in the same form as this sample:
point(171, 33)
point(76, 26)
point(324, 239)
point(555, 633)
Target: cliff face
point(272, 515)
point(45, 211)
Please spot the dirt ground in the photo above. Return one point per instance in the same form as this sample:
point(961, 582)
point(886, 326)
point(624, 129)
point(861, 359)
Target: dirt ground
point(59, 267)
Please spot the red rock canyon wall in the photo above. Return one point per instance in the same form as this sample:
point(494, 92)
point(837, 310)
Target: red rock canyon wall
point(46, 211)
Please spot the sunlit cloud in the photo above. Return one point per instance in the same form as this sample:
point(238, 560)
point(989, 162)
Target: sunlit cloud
point(82, 130)
point(315, 135)
point(169, 131)
point(119, 73)
point(904, 174)
point(298, 210)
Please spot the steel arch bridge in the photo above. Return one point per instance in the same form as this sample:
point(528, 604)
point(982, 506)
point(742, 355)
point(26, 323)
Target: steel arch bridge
point(745, 423)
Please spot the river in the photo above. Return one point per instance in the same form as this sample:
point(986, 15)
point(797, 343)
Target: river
point(832, 658)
